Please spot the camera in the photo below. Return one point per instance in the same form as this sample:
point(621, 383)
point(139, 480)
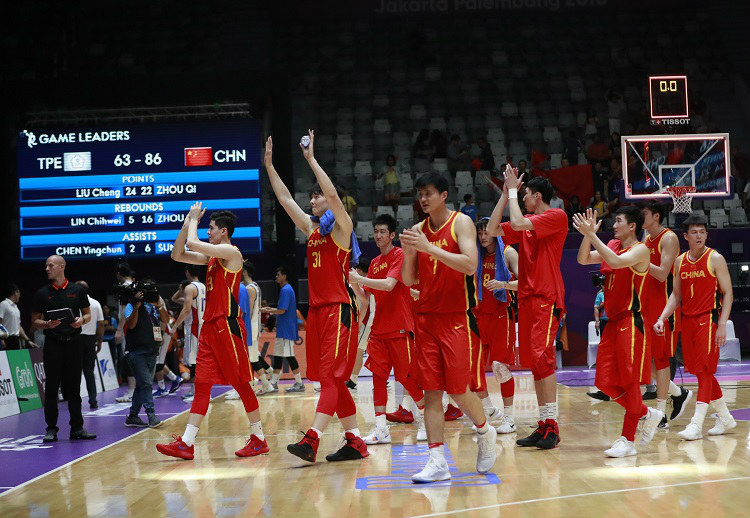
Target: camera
point(597, 279)
point(125, 293)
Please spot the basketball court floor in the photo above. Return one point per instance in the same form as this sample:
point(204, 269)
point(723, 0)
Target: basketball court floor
point(121, 474)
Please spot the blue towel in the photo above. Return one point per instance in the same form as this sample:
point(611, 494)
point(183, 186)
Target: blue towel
point(327, 220)
point(501, 269)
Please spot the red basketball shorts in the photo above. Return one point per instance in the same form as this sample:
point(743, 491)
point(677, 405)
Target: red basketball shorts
point(331, 342)
point(623, 355)
point(538, 321)
point(699, 350)
point(662, 347)
point(448, 352)
point(222, 355)
point(395, 352)
point(498, 336)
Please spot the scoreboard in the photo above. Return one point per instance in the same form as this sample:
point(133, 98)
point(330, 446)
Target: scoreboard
point(124, 191)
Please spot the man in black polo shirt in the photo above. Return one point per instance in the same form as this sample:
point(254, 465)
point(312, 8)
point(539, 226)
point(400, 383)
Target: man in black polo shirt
point(63, 349)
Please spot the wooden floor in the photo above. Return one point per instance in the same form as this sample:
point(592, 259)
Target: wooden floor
point(710, 477)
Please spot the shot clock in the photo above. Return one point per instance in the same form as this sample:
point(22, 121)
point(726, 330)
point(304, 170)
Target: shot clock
point(668, 98)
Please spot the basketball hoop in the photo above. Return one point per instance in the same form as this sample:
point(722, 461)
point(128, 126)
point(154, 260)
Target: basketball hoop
point(682, 198)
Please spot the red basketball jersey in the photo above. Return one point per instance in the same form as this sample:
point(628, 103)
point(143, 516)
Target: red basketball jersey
point(623, 287)
point(698, 284)
point(393, 315)
point(327, 271)
point(489, 304)
point(222, 291)
point(443, 289)
point(655, 292)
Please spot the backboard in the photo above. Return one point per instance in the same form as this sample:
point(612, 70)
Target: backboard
point(651, 163)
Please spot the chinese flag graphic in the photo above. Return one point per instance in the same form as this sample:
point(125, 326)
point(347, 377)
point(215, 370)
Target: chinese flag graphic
point(198, 156)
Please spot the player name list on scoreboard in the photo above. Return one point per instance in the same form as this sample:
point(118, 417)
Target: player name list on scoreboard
point(126, 191)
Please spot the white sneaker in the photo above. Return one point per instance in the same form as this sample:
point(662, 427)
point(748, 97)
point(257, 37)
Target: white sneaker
point(507, 425)
point(653, 418)
point(316, 386)
point(621, 448)
point(721, 427)
point(188, 399)
point(501, 372)
point(232, 394)
point(127, 398)
point(486, 450)
point(692, 432)
point(434, 471)
point(378, 436)
point(492, 413)
point(421, 429)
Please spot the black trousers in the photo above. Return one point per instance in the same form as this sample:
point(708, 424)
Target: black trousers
point(13, 342)
point(89, 364)
point(62, 368)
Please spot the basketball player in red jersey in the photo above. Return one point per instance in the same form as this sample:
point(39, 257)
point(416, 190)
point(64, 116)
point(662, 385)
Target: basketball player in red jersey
point(331, 340)
point(497, 327)
point(222, 354)
point(541, 294)
point(391, 344)
point(703, 286)
point(622, 362)
point(664, 248)
point(442, 252)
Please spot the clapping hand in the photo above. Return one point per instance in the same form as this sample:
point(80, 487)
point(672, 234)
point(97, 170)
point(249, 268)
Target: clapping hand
point(586, 223)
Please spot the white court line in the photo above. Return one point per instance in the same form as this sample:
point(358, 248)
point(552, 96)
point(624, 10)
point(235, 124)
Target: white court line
point(565, 497)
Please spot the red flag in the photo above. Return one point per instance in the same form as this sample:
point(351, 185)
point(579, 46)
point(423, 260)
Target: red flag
point(571, 180)
point(198, 156)
point(538, 158)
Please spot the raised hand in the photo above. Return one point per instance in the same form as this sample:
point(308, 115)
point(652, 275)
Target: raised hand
point(415, 239)
point(196, 211)
point(268, 156)
point(512, 180)
point(308, 151)
point(586, 223)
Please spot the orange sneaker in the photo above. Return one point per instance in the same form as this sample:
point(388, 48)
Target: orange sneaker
point(307, 448)
point(452, 413)
point(176, 448)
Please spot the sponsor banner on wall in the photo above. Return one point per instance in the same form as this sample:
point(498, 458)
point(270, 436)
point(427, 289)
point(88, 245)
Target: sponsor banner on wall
point(22, 371)
point(37, 366)
point(8, 401)
point(107, 368)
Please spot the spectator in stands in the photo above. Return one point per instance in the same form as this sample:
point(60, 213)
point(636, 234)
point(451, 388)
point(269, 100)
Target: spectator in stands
point(740, 167)
point(92, 335)
point(556, 202)
point(485, 161)
point(615, 108)
point(423, 152)
point(591, 130)
point(439, 142)
point(469, 208)
point(350, 204)
point(599, 176)
point(572, 148)
point(391, 182)
point(10, 318)
point(522, 170)
point(597, 151)
point(564, 162)
point(574, 208)
point(599, 204)
point(458, 156)
point(615, 150)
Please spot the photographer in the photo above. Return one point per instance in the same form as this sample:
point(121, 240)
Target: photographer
point(125, 277)
point(61, 308)
point(600, 321)
point(144, 316)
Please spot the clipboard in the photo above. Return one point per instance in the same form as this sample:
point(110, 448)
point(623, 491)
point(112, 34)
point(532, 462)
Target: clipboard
point(64, 315)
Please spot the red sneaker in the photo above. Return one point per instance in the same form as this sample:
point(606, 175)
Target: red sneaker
point(355, 448)
point(401, 415)
point(452, 413)
point(253, 447)
point(177, 448)
point(307, 448)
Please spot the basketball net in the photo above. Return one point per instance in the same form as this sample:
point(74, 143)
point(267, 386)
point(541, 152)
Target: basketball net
point(682, 198)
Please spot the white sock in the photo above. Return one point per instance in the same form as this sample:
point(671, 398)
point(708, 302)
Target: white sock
point(487, 403)
point(674, 390)
point(256, 429)
point(661, 404)
point(543, 413)
point(552, 411)
point(298, 377)
point(160, 383)
point(406, 402)
point(317, 431)
point(721, 408)
point(354, 431)
point(380, 421)
point(508, 410)
point(171, 376)
point(483, 429)
point(275, 378)
point(438, 453)
point(189, 436)
point(700, 413)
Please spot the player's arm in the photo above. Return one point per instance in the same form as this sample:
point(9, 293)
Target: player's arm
point(363, 304)
point(585, 254)
point(284, 305)
point(342, 230)
point(386, 284)
point(466, 234)
point(252, 295)
point(358, 291)
point(511, 261)
point(409, 268)
point(222, 251)
point(191, 291)
point(493, 225)
point(719, 265)
point(179, 253)
point(587, 225)
point(178, 296)
point(298, 216)
point(673, 302)
point(670, 249)
point(513, 183)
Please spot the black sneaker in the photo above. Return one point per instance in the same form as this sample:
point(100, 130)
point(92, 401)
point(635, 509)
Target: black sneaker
point(306, 449)
point(649, 395)
point(354, 449)
point(135, 421)
point(551, 437)
point(601, 396)
point(93, 405)
point(153, 421)
point(50, 436)
point(81, 435)
point(663, 425)
point(351, 385)
point(535, 437)
point(680, 402)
